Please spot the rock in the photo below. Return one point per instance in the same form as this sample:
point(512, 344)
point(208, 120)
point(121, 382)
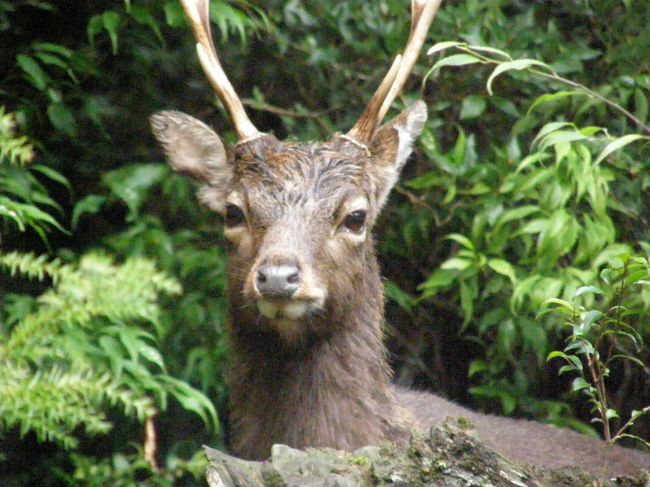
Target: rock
point(446, 457)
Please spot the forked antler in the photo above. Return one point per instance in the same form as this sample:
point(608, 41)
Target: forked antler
point(422, 14)
point(198, 14)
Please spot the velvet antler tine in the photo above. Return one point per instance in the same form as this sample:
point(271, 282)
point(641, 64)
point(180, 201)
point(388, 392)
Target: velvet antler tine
point(367, 123)
point(198, 14)
point(422, 14)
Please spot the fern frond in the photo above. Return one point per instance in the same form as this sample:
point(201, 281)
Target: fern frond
point(53, 403)
point(33, 266)
point(14, 149)
point(55, 373)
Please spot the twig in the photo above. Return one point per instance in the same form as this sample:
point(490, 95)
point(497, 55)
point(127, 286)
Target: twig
point(597, 378)
point(554, 77)
point(283, 112)
point(645, 128)
point(150, 444)
point(414, 199)
point(629, 422)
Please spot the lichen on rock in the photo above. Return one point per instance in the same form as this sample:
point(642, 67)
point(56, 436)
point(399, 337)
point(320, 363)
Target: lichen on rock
point(447, 456)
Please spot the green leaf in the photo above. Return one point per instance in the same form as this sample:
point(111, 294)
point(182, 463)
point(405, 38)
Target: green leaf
point(551, 97)
point(490, 50)
point(561, 303)
point(473, 106)
point(456, 263)
point(438, 280)
point(515, 214)
point(35, 75)
point(62, 118)
point(504, 268)
point(556, 354)
point(517, 65)
point(560, 137)
point(152, 355)
point(618, 144)
point(193, 400)
point(111, 22)
point(144, 17)
point(635, 438)
point(640, 105)
point(587, 290)
point(55, 48)
point(550, 127)
point(35, 215)
point(589, 319)
point(425, 181)
point(579, 383)
point(402, 298)
point(108, 21)
point(476, 367)
point(628, 358)
point(467, 296)
point(441, 46)
point(52, 175)
point(132, 183)
point(174, 14)
point(91, 204)
point(455, 60)
point(461, 239)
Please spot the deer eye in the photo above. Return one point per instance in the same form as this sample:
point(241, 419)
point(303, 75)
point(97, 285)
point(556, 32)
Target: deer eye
point(234, 216)
point(355, 221)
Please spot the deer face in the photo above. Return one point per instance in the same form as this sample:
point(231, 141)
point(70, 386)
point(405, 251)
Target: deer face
point(299, 216)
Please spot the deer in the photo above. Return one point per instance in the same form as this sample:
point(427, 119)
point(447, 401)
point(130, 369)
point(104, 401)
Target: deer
point(306, 303)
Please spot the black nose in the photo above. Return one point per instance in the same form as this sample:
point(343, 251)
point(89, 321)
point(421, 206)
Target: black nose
point(278, 281)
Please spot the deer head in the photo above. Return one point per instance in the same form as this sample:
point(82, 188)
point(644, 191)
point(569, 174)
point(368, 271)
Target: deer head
point(299, 216)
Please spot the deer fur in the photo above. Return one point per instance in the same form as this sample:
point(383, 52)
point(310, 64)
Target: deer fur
point(312, 370)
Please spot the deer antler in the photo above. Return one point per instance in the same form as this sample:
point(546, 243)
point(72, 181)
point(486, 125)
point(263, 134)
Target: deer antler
point(422, 14)
point(198, 14)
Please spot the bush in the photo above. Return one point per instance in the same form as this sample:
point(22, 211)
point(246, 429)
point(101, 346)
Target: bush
point(506, 204)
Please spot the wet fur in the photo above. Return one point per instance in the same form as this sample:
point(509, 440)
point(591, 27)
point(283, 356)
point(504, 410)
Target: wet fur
point(325, 381)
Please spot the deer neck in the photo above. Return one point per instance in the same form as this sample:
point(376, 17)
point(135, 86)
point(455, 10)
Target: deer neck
point(330, 389)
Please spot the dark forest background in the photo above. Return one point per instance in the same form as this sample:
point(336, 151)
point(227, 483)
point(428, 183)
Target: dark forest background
point(529, 188)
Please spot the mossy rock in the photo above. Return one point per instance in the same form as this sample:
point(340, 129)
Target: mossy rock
point(446, 457)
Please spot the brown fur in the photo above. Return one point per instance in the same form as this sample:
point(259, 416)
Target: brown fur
point(322, 379)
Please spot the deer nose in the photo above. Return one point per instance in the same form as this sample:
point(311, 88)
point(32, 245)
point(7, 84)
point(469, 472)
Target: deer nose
point(277, 281)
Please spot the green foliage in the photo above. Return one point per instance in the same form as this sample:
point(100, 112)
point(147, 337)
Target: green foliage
point(528, 225)
point(14, 150)
point(624, 301)
point(81, 346)
point(131, 471)
point(22, 197)
point(512, 199)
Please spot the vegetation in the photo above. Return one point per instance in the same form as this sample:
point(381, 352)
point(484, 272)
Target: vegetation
point(527, 194)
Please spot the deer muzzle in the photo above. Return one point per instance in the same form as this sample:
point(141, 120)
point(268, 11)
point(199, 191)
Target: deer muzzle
point(284, 289)
point(277, 281)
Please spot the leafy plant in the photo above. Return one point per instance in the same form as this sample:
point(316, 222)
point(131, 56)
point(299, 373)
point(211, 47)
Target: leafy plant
point(81, 347)
point(131, 470)
point(504, 63)
point(23, 197)
point(537, 225)
point(600, 338)
point(81, 96)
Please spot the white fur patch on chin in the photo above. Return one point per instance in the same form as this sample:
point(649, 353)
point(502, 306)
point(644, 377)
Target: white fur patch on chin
point(285, 318)
point(289, 311)
point(266, 309)
point(293, 311)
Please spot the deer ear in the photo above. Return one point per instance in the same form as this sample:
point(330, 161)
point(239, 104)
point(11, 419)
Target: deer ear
point(194, 149)
point(392, 145)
